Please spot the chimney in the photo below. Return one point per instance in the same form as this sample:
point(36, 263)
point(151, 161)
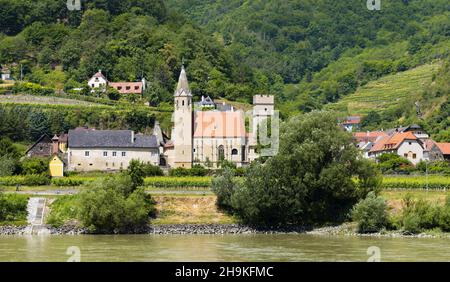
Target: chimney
point(132, 136)
point(55, 145)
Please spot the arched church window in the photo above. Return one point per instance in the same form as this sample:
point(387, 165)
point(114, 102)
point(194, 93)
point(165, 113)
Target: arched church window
point(221, 153)
point(234, 152)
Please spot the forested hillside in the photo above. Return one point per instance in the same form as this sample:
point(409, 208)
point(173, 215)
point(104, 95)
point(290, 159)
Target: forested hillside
point(308, 53)
point(323, 50)
point(126, 39)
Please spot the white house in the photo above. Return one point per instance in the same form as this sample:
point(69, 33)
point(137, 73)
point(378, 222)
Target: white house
point(98, 81)
point(6, 74)
point(109, 150)
point(404, 144)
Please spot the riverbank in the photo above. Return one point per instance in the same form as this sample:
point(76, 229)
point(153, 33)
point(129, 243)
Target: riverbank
point(344, 230)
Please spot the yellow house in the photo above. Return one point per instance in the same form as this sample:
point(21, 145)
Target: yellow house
point(56, 167)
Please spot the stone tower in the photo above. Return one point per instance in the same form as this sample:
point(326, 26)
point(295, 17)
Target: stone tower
point(263, 108)
point(183, 123)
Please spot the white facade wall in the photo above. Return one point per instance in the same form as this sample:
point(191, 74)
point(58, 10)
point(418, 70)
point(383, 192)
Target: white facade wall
point(411, 150)
point(95, 160)
point(97, 82)
point(208, 148)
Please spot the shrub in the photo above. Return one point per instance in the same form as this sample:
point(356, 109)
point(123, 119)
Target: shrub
point(420, 215)
point(110, 205)
point(8, 166)
point(33, 88)
point(152, 170)
point(35, 166)
point(36, 180)
point(223, 186)
point(13, 207)
point(67, 182)
point(63, 209)
point(196, 170)
point(370, 214)
point(393, 163)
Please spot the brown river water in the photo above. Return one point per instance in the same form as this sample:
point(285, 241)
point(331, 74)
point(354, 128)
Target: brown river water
point(236, 248)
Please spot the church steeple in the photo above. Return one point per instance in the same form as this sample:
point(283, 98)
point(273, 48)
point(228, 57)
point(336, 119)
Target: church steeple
point(183, 84)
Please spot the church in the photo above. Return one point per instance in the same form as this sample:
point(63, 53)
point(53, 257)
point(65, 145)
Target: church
point(207, 136)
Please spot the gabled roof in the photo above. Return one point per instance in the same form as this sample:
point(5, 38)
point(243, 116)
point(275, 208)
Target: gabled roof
point(215, 124)
point(99, 74)
point(370, 136)
point(444, 147)
point(44, 137)
point(352, 120)
point(88, 138)
point(393, 142)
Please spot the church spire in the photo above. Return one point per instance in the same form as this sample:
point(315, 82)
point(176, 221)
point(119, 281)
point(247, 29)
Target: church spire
point(183, 84)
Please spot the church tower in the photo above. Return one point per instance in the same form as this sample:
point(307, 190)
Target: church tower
point(183, 123)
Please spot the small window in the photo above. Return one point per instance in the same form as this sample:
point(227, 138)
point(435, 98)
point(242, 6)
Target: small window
point(136, 88)
point(113, 164)
point(405, 155)
point(234, 152)
point(105, 154)
point(119, 88)
point(106, 164)
point(86, 154)
point(93, 85)
point(114, 154)
point(90, 164)
point(128, 87)
point(124, 154)
point(414, 156)
point(182, 103)
point(410, 143)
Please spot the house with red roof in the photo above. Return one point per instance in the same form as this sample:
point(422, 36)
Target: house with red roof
point(445, 150)
point(404, 144)
point(99, 81)
point(352, 123)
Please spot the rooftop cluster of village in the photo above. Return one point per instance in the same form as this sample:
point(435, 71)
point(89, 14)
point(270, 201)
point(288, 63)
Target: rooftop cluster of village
point(410, 142)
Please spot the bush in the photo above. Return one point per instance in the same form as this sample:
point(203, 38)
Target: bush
point(36, 180)
point(8, 166)
point(67, 182)
point(35, 166)
point(152, 170)
point(63, 209)
point(196, 170)
point(393, 163)
point(13, 207)
point(109, 205)
point(33, 88)
point(418, 216)
point(223, 186)
point(370, 214)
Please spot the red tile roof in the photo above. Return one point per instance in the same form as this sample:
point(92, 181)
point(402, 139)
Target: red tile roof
point(219, 124)
point(392, 142)
point(368, 136)
point(444, 147)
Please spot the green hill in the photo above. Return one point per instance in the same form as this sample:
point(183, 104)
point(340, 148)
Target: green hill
point(388, 91)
